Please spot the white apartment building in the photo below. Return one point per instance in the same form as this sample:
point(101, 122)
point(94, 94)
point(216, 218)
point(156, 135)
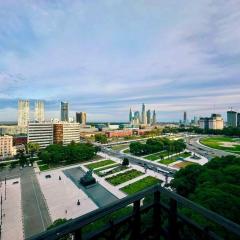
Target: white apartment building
point(23, 112)
point(41, 133)
point(214, 122)
point(39, 111)
point(6, 146)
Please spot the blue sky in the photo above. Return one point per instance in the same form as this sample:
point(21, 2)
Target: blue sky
point(105, 56)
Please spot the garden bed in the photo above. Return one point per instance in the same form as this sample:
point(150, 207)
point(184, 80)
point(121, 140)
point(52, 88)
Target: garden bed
point(99, 164)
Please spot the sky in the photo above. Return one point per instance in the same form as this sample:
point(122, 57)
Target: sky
point(105, 56)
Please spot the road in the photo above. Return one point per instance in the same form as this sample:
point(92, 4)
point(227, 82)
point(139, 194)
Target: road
point(194, 145)
point(36, 217)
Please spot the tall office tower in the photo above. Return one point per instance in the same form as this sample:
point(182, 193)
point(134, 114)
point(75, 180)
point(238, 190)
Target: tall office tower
point(130, 116)
point(148, 116)
point(144, 116)
point(136, 119)
point(231, 118)
point(64, 112)
point(39, 111)
point(81, 117)
point(23, 112)
point(185, 117)
point(154, 120)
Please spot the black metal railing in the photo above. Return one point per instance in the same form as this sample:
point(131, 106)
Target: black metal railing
point(162, 218)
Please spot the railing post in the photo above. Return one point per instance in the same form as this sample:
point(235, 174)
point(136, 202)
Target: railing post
point(172, 221)
point(136, 220)
point(77, 234)
point(157, 214)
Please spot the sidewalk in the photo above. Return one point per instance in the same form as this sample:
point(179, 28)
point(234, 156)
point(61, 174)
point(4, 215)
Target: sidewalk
point(12, 225)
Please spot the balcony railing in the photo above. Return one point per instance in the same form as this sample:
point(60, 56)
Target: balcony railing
point(165, 217)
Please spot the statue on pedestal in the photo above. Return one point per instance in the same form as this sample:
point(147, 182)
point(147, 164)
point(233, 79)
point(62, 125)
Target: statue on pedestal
point(87, 179)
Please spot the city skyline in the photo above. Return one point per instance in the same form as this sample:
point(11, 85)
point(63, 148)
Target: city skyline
point(173, 59)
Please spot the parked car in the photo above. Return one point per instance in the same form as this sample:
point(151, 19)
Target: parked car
point(48, 176)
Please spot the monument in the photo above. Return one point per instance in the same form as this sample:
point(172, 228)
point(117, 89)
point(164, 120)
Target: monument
point(87, 179)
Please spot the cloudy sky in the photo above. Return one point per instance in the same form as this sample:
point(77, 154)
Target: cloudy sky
point(105, 56)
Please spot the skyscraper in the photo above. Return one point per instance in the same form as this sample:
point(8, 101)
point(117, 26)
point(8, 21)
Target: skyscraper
point(149, 116)
point(185, 117)
point(130, 116)
point(39, 111)
point(23, 112)
point(231, 118)
point(64, 112)
point(144, 117)
point(81, 117)
point(154, 120)
point(136, 117)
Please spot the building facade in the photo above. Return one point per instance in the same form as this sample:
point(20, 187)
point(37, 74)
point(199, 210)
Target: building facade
point(214, 122)
point(81, 118)
point(144, 115)
point(119, 133)
point(23, 112)
point(232, 118)
point(39, 114)
point(64, 112)
point(65, 133)
point(6, 146)
point(41, 133)
point(154, 120)
point(149, 116)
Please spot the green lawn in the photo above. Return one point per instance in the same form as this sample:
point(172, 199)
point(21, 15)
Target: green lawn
point(175, 158)
point(120, 147)
point(127, 151)
point(124, 177)
point(156, 156)
point(43, 167)
point(92, 166)
point(217, 142)
point(140, 185)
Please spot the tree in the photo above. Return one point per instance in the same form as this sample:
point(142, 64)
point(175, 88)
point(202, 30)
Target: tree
point(22, 158)
point(125, 162)
point(100, 138)
point(32, 148)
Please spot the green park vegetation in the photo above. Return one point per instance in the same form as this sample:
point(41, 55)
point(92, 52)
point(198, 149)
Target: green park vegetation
point(215, 185)
point(127, 151)
point(57, 155)
point(156, 156)
point(154, 145)
point(140, 185)
point(114, 169)
point(99, 164)
point(119, 147)
point(231, 144)
point(124, 177)
point(101, 138)
point(183, 164)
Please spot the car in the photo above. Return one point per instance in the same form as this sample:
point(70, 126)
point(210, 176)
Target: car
point(48, 176)
point(16, 182)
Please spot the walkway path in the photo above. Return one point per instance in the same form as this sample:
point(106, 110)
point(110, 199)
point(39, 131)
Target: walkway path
point(12, 225)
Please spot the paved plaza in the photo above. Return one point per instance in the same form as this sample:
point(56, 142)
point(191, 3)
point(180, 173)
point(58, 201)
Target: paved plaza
point(12, 224)
point(62, 196)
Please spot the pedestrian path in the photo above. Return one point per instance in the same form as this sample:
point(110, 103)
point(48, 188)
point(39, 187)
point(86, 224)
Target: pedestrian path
point(12, 224)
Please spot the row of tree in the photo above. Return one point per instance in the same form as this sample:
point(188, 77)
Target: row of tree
point(154, 145)
point(74, 152)
point(228, 131)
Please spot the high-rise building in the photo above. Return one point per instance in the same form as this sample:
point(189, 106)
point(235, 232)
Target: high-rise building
point(137, 117)
point(149, 116)
point(81, 117)
point(231, 118)
point(214, 122)
point(41, 133)
point(238, 119)
point(130, 116)
point(23, 112)
point(144, 116)
point(39, 111)
point(65, 133)
point(64, 112)
point(154, 120)
point(185, 117)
